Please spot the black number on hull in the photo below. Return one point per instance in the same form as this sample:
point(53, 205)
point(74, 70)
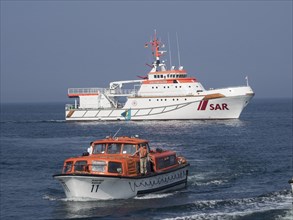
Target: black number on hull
point(95, 187)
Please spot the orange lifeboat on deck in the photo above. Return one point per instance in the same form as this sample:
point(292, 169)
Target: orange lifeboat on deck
point(114, 170)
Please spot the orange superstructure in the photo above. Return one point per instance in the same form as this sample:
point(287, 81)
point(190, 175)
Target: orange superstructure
point(116, 157)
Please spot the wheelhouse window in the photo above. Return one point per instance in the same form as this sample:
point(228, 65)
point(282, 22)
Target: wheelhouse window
point(165, 162)
point(129, 149)
point(98, 166)
point(99, 149)
point(80, 165)
point(114, 148)
point(68, 167)
point(114, 167)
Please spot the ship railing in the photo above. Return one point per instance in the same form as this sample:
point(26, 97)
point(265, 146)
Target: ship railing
point(228, 87)
point(97, 91)
point(69, 107)
point(85, 91)
point(122, 92)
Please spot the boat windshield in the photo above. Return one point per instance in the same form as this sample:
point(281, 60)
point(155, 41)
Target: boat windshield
point(114, 148)
point(99, 149)
point(129, 149)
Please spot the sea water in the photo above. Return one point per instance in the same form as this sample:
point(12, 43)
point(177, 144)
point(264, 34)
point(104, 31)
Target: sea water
point(239, 169)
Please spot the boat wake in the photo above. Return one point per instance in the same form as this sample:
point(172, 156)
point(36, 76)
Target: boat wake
point(50, 197)
point(200, 180)
point(56, 198)
point(276, 205)
point(280, 203)
point(155, 196)
point(145, 197)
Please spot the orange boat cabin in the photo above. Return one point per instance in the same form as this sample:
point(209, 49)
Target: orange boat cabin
point(119, 157)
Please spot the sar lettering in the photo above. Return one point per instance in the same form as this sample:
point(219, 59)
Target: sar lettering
point(223, 106)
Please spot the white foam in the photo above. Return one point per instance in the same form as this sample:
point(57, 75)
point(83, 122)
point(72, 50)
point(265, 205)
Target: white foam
point(199, 180)
point(227, 209)
point(155, 196)
point(50, 197)
point(288, 215)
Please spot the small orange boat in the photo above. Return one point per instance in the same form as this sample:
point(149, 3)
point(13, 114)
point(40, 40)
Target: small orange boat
point(114, 169)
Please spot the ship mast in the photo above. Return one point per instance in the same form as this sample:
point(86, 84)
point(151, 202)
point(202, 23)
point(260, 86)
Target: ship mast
point(155, 43)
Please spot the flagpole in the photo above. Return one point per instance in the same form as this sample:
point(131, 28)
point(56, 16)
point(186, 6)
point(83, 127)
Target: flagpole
point(247, 81)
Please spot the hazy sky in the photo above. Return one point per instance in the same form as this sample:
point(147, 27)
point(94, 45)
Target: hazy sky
point(49, 46)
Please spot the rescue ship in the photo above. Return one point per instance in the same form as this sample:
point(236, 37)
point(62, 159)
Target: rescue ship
point(164, 94)
point(113, 170)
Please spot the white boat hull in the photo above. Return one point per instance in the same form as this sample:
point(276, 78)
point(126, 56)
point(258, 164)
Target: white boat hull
point(104, 187)
point(171, 108)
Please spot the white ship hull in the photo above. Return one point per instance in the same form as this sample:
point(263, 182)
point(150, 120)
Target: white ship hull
point(170, 108)
point(104, 187)
point(161, 95)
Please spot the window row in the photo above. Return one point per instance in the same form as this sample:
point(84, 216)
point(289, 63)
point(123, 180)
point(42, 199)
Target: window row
point(171, 76)
point(168, 87)
point(115, 148)
point(166, 99)
point(97, 166)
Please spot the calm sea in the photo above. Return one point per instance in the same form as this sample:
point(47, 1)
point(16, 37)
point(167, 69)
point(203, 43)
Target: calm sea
point(239, 168)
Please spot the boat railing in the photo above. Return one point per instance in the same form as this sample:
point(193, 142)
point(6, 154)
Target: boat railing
point(97, 91)
point(229, 87)
point(69, 107)
point(85, 91)
point(122, 92)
